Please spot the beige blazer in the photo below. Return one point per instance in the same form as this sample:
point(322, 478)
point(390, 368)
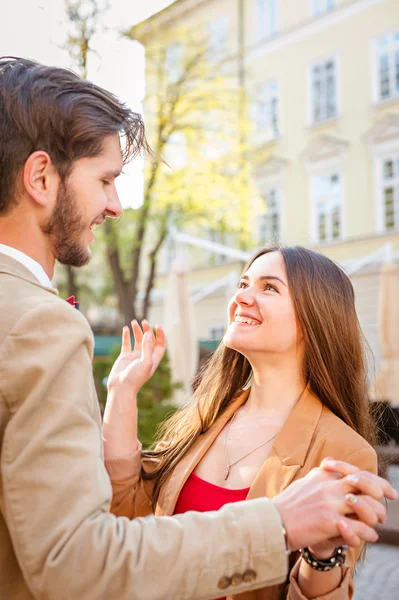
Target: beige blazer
point(58, 540)
point(311, 433)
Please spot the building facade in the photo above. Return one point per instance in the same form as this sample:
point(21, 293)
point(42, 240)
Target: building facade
point(322, 82)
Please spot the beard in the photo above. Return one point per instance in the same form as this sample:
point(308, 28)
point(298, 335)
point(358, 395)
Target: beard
point(66, 229)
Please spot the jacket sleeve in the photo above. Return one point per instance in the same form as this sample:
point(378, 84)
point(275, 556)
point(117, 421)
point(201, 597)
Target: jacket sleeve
point(131, 495)
point(57, 493)
point(366, 460)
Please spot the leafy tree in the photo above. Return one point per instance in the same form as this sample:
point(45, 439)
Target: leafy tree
point(191, 122)
point(196, 122)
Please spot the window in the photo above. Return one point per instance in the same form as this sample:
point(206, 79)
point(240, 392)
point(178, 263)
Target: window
point(327, 203)
point(388, 66)
point(390, 193)
point(267, 109)
point(174, 62)
point(218, 30)
point(324, 91)
point(266, 18)
point(216, 332)
point(322, 6)
point(269, 230)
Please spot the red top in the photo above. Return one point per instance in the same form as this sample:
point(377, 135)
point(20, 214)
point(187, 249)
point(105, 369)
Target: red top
point(202, 496)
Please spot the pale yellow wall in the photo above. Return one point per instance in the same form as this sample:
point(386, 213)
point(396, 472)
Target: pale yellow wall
point(350, 41)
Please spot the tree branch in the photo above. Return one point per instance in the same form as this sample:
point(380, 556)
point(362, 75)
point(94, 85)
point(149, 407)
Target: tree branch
point(153, 267)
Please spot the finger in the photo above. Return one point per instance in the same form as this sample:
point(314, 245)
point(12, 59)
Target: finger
point(146, 349)
point(138, 335)
point(352, 473)
point(355, 532)
point(371, 513)
point(147, 328)
point(370, 485)
point(160, 336)
point(376, 506)
point(160, 345)
point(338, 466)
point(126, 341)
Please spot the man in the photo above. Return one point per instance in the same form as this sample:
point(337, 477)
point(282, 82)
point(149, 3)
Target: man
point(60, 153)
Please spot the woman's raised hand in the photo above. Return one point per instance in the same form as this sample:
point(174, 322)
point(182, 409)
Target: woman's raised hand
point(133, 368)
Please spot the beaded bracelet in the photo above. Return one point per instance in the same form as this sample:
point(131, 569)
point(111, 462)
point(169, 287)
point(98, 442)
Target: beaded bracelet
point(336, 560)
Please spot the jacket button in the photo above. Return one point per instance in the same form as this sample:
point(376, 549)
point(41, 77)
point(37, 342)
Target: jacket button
point(249, 575)
point(224, 582)
point(236, 579)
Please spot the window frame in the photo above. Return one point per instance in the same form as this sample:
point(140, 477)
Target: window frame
point(382, 152)
point(262, 240)
point(310, 103)
point(261, 34)
point(376, 87)
point(323, 169)
point(266, 133)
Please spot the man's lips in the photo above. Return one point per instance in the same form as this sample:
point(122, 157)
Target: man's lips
point(95, 224)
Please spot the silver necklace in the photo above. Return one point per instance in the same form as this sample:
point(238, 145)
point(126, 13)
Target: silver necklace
point(229, 464)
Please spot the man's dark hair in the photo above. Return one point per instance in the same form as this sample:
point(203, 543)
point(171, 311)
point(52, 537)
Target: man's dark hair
point(53, 109)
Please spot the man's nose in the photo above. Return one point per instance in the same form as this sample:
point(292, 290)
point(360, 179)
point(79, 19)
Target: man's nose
point(114, 207)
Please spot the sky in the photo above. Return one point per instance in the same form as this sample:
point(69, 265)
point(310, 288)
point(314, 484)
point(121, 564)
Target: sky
point(118, 64)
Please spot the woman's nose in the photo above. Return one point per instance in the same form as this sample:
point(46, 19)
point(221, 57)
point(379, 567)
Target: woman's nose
point(245, 296)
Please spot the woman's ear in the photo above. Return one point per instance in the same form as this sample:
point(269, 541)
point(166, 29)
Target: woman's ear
point(40, 178)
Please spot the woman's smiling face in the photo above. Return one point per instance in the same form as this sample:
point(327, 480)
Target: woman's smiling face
point(261, 314)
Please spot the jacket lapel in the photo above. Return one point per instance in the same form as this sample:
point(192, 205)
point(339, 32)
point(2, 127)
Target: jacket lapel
point(279, 469)
point(172, 487)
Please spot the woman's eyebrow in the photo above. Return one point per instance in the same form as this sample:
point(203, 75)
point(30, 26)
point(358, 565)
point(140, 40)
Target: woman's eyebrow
point(265, 277)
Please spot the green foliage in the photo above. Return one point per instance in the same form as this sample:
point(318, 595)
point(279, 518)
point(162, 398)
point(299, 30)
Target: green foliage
point(153, 400)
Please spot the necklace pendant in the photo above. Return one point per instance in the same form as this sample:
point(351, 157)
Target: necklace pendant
point(227, 472)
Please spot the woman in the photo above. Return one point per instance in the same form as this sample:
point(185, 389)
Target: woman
point(285, 389)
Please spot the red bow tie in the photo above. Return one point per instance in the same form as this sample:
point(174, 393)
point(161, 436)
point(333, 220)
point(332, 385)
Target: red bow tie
point(73, 302)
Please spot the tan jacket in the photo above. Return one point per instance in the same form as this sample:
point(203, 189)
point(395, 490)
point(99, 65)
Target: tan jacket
point(58, 540)
point(311, 433)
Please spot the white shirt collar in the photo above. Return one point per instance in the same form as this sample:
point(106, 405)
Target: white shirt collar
point(34, 267)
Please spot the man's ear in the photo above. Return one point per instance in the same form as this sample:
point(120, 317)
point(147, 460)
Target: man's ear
point(40, 178)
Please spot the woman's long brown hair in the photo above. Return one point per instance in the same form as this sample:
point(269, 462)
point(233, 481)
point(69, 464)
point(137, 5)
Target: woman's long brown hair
point(335, 363)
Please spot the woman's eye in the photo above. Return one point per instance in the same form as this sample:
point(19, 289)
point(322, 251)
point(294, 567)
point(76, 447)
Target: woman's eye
point(242, 285)
point(269, 286)
point(105, 182)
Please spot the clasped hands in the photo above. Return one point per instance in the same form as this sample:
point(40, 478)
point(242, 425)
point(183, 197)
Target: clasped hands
point(332, 505)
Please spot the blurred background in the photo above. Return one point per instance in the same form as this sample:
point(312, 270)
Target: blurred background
point(271, 121)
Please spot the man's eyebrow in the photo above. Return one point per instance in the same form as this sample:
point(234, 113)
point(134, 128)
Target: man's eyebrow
point(265, 277)
point(113, 173)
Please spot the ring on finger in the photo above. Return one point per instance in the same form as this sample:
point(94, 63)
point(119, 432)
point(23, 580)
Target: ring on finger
point(351, 498)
